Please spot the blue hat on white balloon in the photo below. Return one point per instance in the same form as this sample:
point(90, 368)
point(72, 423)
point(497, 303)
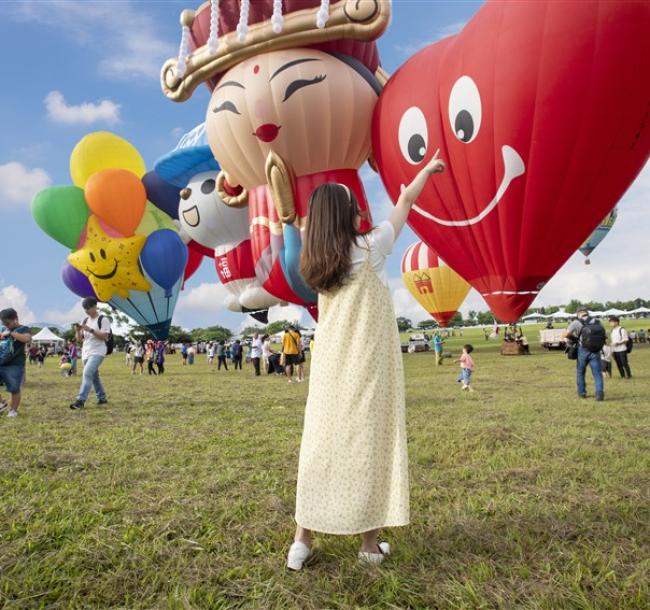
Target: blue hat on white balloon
point(191, 156)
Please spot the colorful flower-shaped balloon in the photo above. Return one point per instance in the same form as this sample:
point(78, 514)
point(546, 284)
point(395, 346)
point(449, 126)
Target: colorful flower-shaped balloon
point(125, 251)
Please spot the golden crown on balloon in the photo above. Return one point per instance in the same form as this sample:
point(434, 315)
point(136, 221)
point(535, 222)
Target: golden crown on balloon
point(222, 33)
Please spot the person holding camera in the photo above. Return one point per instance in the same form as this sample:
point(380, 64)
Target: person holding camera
point(586, 337)
point(94, 331)
point(13, 338)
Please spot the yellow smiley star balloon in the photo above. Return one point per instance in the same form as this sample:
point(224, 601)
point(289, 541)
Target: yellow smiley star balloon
point(110, 263)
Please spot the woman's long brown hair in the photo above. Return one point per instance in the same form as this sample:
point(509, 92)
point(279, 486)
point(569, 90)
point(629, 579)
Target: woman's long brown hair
point(331, 230)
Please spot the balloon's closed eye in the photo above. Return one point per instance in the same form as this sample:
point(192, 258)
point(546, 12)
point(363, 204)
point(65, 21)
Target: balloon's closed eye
point(300, 83)
point(229, 106)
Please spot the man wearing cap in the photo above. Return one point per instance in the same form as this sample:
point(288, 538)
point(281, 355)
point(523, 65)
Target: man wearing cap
point(94, 331)
point(587, 332)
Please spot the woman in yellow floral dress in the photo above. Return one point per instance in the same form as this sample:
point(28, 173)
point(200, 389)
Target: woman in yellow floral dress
point(353, 467)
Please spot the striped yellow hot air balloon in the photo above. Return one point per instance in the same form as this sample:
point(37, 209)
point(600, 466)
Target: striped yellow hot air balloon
point(437, 287)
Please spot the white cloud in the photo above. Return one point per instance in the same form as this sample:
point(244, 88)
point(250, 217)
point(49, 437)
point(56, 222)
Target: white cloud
point(84, 113)
point(249, 322)
point(18, 184)
point(207, 298)
point(12, 296)
point(123, 37)
point(290, 313)
point(450, 29)
point(65, 318)
point(407, 307)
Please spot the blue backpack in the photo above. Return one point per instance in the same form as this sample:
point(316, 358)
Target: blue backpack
point(6, 350)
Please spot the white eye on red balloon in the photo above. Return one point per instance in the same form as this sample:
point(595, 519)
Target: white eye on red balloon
point(465, 109)
point(413, 135)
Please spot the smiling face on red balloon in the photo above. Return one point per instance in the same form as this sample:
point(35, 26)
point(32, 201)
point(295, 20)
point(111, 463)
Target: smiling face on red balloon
point(461, 133)
point(525, 105)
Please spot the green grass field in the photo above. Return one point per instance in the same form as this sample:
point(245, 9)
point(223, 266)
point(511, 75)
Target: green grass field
point(180, 494)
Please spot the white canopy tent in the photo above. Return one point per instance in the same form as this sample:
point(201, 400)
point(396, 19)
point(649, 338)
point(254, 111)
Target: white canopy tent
point(615, 312)
point(640, 311)
point(46, 336)
point(561, 315)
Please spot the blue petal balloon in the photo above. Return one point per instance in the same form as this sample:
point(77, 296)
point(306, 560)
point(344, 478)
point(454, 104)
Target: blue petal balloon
point(162, 194)
point(153, 309)
point(164, 257)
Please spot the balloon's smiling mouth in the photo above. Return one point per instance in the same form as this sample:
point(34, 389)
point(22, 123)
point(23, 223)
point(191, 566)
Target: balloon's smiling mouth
point(105, 276)
point(513, 168)
point(192, 216)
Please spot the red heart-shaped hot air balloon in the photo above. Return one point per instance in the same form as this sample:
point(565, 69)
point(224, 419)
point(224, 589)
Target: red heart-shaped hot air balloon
point(541, 111)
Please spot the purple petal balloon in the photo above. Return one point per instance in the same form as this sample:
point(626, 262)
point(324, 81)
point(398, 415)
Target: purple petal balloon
point(76, 281)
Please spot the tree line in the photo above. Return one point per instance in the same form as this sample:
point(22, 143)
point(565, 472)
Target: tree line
point(486, 318)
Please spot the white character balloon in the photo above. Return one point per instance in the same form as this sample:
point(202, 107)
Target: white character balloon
point(205, 219)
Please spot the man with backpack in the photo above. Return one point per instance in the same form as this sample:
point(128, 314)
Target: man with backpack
point(621, 347)
point(590, 336)
point(13, 337)
point(95, 332)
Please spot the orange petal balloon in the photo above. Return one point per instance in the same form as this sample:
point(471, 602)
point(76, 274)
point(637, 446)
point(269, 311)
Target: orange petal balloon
point(118, 197)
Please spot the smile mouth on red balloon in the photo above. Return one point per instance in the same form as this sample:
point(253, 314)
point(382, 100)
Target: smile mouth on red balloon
point(513, 168)
point(267, 132)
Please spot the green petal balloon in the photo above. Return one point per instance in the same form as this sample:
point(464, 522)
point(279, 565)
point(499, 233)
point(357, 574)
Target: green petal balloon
point(154, 219)
point(61, 212)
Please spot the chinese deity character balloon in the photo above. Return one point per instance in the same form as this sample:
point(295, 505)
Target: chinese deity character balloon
point(541, 114)
point(291, 109)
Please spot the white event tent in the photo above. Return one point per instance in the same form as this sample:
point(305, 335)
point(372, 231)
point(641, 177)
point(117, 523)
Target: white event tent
point(46, 336)
point(640, 311)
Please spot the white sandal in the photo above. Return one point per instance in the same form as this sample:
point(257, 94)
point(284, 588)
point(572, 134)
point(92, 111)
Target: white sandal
point(299, 553)
point(375, 558)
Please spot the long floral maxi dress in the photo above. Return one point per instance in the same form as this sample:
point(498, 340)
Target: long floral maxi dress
point(353, 467)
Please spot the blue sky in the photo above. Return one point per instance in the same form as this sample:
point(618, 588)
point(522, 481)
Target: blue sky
point(75, 67)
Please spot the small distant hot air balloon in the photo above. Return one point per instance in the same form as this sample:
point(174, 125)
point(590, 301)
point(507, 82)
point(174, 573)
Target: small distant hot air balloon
point(437, 287)
point(592, 242)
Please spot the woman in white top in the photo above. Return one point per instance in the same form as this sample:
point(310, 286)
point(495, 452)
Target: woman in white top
point(266, 351)
point(618, 340)
point(353, 466)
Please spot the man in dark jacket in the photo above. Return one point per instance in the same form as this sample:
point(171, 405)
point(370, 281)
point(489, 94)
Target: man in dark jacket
point(590, 337)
